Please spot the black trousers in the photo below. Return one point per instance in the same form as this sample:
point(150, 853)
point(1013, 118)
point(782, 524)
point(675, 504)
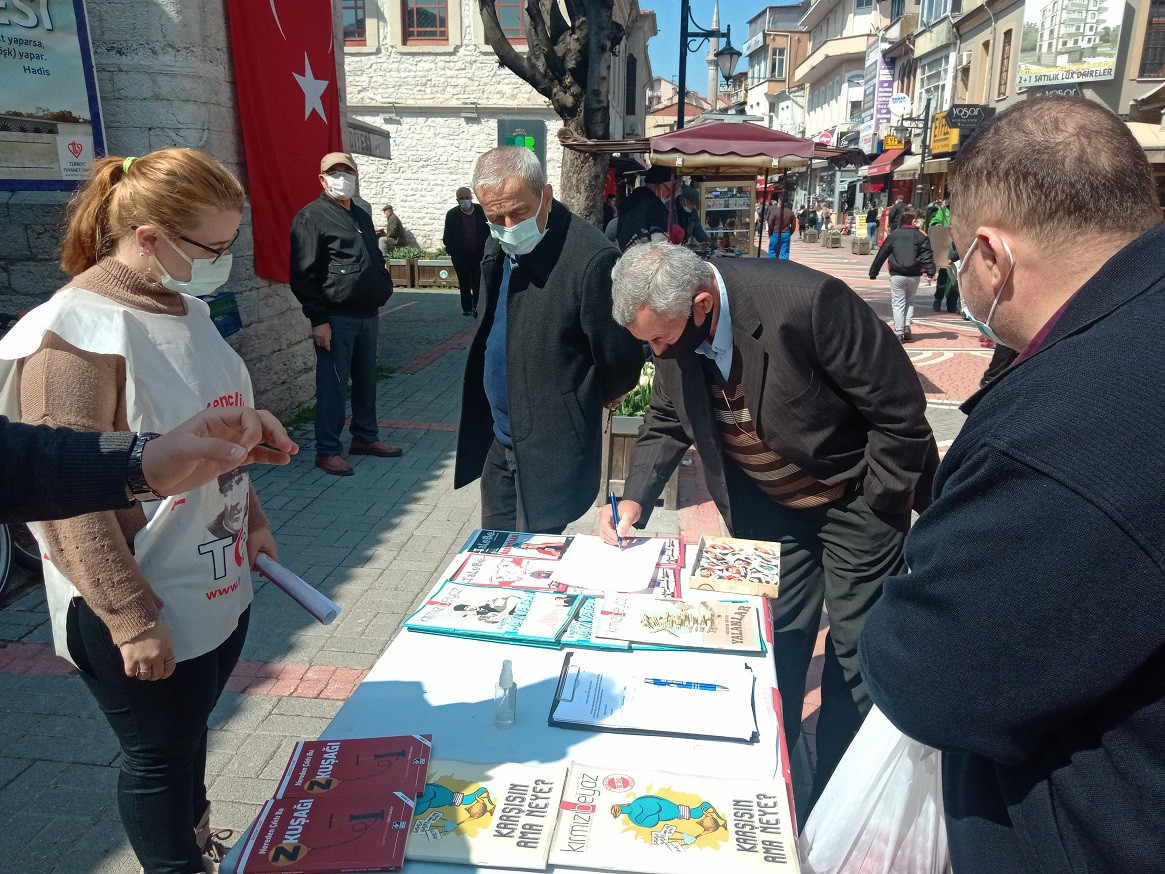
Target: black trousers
point(943, 288)
point(836, 556)
point(161, 726)
point(468, 272)
point(501, 498)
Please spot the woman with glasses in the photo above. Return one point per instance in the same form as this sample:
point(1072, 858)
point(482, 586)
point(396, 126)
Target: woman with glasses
point(151, 603)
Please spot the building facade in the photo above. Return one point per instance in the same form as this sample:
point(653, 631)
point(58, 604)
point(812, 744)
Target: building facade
point(775, 47)
point(423, 70)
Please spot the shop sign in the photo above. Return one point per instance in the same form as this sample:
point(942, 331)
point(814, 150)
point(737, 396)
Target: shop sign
point(969, 116)
point(873, 187)
point(900, 103)
point(943, 137)
point(892, 142)
point(825, 137)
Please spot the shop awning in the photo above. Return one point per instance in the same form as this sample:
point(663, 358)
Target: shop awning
point(1151, 138)
point(909, 168)
point(884, 163)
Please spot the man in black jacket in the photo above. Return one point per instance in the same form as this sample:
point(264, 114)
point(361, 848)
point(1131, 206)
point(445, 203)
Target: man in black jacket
point(54, 473)
point(910, 256)
point(645, 211)
point(1028, 641)
point(894, 219)
point(464, 239)
point(340, 278)
point(809, 419)
point(546, 357)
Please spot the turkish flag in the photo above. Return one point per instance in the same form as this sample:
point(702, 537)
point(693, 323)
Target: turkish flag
point(289, 106)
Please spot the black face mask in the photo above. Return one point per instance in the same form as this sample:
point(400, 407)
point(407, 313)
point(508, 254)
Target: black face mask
point(692, 336)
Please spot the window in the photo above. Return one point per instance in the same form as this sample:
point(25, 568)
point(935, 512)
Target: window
point(425, 21)
point(631, 86)
point(777, 64)
point(510, 18)
point(756, 68)
point(1004, 66)
point(863, 5)
point(932, 83)
point(1153, 55)
point(897, 9)
point(986, 56)
point(355, 27)
point(933, 10)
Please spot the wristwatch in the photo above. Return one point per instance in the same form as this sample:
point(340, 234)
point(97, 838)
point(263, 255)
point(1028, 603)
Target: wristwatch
point(135, 478)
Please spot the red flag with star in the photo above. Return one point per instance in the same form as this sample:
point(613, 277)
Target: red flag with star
point(289, 107)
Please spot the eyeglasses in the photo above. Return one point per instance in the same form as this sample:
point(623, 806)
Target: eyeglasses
point(218, 253)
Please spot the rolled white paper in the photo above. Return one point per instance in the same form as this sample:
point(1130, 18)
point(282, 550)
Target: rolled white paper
point(310, 599)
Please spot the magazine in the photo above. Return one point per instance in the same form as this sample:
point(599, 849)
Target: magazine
point(747, 567)
point(503, 571)
point(368, 765)
point(489, 613)
point(517, 545)
point(581, 631)
point(630, 819)
point(499, 815)
point(709, 624)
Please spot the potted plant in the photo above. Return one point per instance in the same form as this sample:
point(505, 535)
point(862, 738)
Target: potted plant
point(811, 235)
point(832, 239)
point(620, 428)
point(860, 245)
point(401, 264)
point(435, 269)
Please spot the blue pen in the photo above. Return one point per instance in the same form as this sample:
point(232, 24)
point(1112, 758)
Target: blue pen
point(685, 684)
point(615, 517)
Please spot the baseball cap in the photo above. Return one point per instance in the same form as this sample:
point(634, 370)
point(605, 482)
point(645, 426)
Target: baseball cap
point(331, 159)
point(689, 193)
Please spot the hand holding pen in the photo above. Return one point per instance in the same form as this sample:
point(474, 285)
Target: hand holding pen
point(616, 520)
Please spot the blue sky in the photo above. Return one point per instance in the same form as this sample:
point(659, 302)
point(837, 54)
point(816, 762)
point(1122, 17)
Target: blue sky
point(664, 48)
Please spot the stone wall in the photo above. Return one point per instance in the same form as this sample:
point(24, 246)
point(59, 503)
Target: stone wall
point(165, 77)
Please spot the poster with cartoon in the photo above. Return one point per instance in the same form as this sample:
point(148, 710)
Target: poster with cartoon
point(504, 571)
point(730, 624)
point(728, 564)
point(518, 545)
point(490, 613)
point(651, 821)
point(499, 815)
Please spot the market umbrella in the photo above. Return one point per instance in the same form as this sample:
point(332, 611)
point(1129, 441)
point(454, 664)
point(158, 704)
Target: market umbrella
point(726, 147)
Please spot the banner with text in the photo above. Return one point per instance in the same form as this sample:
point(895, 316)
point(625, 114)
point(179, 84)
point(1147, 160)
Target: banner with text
point(1068, 42)
point(50, 116)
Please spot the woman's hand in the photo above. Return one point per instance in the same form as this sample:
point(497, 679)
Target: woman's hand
point(150, 655)
point(261, 540)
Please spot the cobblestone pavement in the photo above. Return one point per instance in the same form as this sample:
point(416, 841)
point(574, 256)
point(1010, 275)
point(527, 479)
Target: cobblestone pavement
point(374, 543)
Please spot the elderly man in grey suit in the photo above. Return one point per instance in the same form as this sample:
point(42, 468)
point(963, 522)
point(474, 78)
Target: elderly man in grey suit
point(809, 420)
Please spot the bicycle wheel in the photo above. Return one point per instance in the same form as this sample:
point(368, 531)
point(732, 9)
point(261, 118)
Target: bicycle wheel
point(25, 549)
point(5, 558)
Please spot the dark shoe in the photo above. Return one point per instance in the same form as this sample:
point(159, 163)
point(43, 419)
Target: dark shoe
point(334, 464)
point(938, 306)
point(906, 338)
point(475, 312)
point(379, 449)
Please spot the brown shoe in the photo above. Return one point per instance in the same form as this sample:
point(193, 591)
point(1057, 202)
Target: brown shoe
point(379, 449)
point(334, 464)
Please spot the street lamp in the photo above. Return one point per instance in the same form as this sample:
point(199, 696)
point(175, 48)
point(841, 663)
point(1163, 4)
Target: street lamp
point(691, 38)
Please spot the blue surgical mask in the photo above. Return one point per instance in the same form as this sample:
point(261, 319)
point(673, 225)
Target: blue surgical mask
point(523, 237)
point(985, 325)
point(206, 274)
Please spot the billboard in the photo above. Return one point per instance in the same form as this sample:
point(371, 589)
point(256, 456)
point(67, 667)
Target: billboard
point(50, 119)
point(878, 86)
point(1069, 41)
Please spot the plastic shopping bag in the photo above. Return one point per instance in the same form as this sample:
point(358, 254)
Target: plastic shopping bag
point(882, 810)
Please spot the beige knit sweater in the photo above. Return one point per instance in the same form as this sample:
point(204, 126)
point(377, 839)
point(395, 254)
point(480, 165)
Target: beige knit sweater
point(63, 385)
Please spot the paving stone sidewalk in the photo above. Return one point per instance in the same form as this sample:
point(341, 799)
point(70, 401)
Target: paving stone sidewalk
point(373, 542)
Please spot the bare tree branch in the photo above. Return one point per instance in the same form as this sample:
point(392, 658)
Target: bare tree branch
point(502, 48)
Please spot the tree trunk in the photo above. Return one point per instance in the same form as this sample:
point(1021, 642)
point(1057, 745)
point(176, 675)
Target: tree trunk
point(583, 177)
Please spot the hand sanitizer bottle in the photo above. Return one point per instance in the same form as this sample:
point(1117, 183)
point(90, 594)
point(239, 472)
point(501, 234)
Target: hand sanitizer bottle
point(506, 697)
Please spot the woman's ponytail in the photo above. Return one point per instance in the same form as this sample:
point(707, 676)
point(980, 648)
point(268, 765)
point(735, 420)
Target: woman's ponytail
point(87, 234)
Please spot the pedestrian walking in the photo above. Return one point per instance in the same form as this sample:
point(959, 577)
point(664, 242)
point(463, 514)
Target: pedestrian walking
point(781, 221)
point(872, 221)
point(826, 218)
point(812, 436)
point(546, 357)
point(894, 219)
point(464, 238)
point(909, 254)
point(149, 605)
point(341, 281)
point(802, 221)
point(1028, 641)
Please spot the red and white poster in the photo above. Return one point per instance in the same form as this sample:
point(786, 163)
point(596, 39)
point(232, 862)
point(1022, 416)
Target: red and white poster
point(289, 106)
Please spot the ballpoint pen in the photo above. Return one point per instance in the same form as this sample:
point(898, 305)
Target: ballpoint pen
point(615, 518)
point(685, 684)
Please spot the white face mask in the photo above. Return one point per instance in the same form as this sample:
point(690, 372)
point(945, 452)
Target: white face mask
point(985, 325)
point(522, 237)
point(341, 185)
point(466, 205)
point(206, 274)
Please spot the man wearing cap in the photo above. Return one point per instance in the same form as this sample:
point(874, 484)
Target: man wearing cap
point(645, 210)
point(464, 239)
point(339, 277)
point(393, 234)
point(688, 215)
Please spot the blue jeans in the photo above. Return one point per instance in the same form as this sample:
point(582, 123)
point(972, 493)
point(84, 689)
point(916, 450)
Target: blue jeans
point(779, 245)
point(353, 355)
